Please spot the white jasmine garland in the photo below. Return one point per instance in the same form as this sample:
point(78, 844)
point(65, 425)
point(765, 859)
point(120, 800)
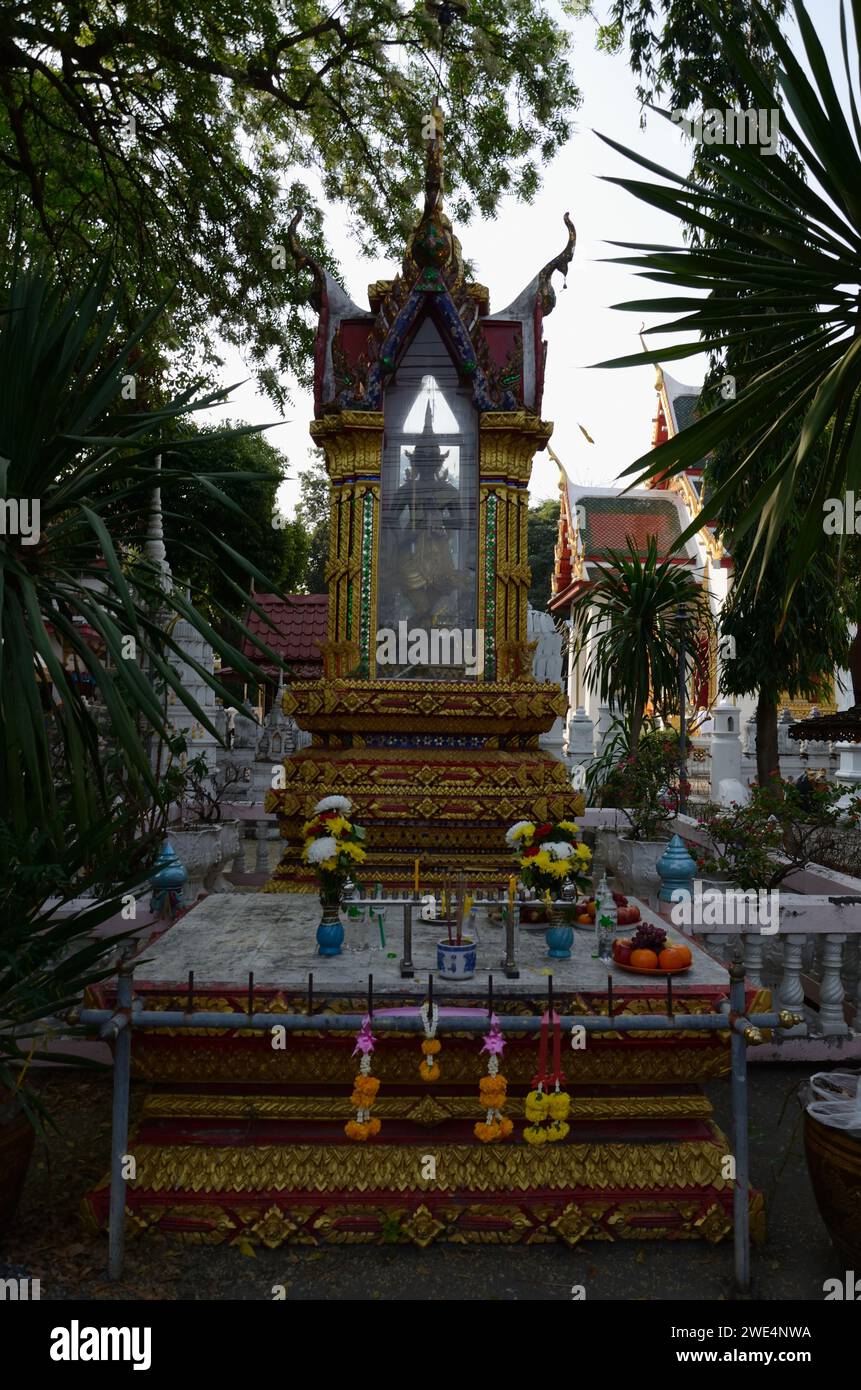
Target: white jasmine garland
point(326, 847)
point(429, 1020)
point(333, 803)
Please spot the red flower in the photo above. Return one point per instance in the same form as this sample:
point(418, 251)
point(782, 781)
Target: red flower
point(328, 815)
point(542, 830)
point(531, 852)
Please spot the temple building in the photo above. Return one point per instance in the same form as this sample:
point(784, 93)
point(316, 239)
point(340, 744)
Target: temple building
point(427, 714)
point(594, 521)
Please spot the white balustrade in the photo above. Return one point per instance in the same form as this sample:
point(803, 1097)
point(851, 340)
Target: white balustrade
point(791, 993)
point(753, 950)
point(831, 993)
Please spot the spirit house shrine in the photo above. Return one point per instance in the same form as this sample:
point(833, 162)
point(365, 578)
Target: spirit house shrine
point(428, 410)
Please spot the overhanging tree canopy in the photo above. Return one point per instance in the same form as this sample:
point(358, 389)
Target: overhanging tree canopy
point(179, 139)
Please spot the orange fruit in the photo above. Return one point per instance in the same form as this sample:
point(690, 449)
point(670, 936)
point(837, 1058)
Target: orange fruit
point(672, 959)
point(646, 960)
point(584, 919)
point(675, 957)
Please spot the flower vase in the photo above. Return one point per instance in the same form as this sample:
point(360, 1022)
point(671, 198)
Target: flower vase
point(559, 936)
point(330, 933)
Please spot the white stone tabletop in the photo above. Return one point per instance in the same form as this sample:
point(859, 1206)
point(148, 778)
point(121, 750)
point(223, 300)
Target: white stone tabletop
point(228, 935)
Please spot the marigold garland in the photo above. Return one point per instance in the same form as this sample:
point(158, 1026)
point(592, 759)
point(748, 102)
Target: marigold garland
point(547, 1105)
point(552, 1107)
point(365, 1088)
point(492, 1090)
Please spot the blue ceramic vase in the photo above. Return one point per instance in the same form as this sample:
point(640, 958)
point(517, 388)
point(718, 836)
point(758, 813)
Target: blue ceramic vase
point(559, 936)
point(330, 933)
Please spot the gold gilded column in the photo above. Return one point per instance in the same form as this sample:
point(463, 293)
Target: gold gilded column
point(509, 439)
point(352, 443)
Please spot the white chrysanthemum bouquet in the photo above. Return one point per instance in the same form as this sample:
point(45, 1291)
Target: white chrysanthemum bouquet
point(333, 843)
point(549, 854)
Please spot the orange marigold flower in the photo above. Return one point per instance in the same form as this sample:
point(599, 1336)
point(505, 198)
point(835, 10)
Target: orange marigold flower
point(431, 1046)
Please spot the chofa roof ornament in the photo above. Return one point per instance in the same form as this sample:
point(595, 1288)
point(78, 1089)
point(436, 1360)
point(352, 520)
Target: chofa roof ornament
point(560, 263)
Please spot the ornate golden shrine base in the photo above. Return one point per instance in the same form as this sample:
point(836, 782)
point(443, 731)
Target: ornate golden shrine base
point(448, 807)
point(240, 1142)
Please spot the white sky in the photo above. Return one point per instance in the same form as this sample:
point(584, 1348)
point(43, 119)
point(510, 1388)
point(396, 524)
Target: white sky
point(615, 407)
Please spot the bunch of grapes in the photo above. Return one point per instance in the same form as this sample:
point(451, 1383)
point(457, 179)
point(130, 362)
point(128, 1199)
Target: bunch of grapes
point(649, 938)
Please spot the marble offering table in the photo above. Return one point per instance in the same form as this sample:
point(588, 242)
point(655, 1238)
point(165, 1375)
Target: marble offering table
point(243, 1141)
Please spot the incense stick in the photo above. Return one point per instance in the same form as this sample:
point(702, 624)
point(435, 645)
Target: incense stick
point(460, 906)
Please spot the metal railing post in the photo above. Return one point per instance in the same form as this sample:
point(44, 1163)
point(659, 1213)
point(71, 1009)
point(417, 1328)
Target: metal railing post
point(741, 1190)
point(120, 1121)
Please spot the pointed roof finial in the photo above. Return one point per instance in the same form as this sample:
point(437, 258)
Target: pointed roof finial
point(435, 162)
point(434, 250)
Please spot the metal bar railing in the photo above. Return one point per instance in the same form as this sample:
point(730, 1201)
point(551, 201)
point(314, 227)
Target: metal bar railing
point(120, 1023)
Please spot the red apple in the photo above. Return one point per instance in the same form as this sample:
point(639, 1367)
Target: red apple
point(622, 951)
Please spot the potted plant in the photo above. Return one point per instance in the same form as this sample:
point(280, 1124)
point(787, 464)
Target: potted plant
point(646, 786)
point(549, 855)
point(205, 843)
point(333, 845)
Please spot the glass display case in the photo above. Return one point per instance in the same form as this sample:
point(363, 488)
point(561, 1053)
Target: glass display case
point(426, 604)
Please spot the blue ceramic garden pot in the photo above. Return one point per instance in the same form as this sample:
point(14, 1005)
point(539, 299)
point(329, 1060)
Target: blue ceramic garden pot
point(330, 933)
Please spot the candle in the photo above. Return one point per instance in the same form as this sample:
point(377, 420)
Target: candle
point(443, 904)
point(512, 888)
point(416, 877)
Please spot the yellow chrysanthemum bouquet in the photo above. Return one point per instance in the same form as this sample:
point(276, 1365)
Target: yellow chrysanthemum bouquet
point(549, 854)
point(333, 844)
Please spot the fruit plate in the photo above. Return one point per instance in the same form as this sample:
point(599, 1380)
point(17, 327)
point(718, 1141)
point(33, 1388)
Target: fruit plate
point(647, 969)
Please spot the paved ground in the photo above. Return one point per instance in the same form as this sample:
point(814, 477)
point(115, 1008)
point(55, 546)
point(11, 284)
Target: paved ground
point(48, 1242)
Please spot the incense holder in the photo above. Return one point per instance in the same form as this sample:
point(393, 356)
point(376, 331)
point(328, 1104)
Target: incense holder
point(456, 962)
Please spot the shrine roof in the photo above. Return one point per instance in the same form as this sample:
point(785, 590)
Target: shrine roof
point(300, 628)
point(358, 350)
